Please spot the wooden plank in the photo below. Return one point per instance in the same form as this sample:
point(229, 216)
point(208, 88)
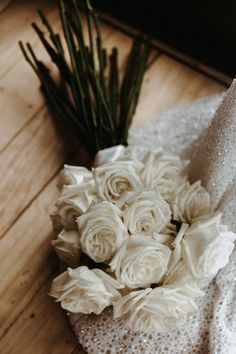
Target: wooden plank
point(169, 83)
point(28, 164)
point(28, 244)
point(41, 329)
point(4, 4)
point(20, 97)
point(15, 25)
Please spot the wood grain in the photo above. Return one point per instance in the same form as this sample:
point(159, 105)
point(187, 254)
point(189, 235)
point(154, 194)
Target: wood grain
point(32, 150)
point(19, 100)
point(168, 84)
point(29, 162)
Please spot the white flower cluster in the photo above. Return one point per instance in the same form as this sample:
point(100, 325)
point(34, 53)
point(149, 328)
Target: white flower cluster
point(139, 237)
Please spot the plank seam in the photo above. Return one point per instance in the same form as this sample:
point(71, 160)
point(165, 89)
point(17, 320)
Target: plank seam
point(21, 129)
point(54, 175)
point(5, 5)
point(30, 202)
point(28, 303)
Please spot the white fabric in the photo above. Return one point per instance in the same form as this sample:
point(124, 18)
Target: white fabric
point(212, 329)
point(214, 161)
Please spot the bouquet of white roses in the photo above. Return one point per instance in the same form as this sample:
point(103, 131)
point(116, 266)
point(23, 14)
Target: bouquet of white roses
point(139, 237)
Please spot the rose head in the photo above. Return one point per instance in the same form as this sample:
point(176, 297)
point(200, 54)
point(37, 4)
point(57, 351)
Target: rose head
point(84, 290)
point(140, 262)
point(114, 179)
point(160, 309)
point(146, 212)
point(207, 246)
point(102, 231)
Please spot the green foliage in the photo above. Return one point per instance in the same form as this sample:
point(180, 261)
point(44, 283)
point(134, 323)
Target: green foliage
point(90, 96)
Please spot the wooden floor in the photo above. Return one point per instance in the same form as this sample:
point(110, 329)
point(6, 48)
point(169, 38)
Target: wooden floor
point(32, 153)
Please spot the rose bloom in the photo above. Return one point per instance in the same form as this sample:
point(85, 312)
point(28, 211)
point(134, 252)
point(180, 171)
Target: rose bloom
point(161, 171)
point(74, 175)
point(114, 179)
point(189, 202)
point(101, 231)
point(161, 309)
point(140, 262)
point(73, 202)
point(84, 290)
point(67, 247)
point(146, 212)
point(206, 247)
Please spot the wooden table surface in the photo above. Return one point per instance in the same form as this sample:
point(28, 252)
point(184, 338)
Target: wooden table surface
point(32, 153)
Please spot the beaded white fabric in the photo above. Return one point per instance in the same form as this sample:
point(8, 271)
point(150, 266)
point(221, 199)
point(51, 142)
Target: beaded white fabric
point(211, 329)
point(214, 161)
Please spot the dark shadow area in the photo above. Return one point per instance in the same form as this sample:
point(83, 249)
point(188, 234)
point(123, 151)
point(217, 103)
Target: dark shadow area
point(202, 29)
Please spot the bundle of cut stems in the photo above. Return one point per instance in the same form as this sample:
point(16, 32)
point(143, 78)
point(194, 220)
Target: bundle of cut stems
point(90, 96)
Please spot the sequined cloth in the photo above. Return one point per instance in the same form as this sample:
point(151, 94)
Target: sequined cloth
point(211, 329)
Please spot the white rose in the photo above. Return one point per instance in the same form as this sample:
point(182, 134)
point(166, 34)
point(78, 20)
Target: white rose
point(67, 247)
point(73, 202)
point(140, 262)
point(73, 175)
point(206, 247)
point(114, 179)
point(161, 309)
point(101, 231)
point(161, 171)
point(84, 290)
point(190, 201)
point(146, 212)
point(176, 245)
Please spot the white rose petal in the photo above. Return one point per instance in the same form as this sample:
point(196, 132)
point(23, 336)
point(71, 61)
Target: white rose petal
point(161, 171)
point(73, 202)
point(178, 272)
point(161, 309)
point(84, 290)
point(207, 246)
point(102, 231)
point(176, 256)
point(67, 247)
point(140, 262)
point(181, 275)
point(114, 179)
point(76, 190)
point(190, 202)
point(73, 175)
point(110, 154)
point(146, 212)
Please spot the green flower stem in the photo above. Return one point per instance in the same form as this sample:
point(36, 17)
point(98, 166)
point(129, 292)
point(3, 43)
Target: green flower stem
point(89, 97)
